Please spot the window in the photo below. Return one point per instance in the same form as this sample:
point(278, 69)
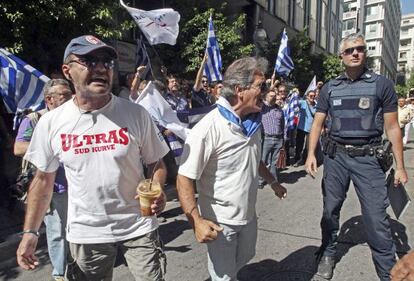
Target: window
point(405, 43)
point(371, 28)
point(406, 21)
point(372, 10)
point(371, 48)
point(404, 31)
point(403, 55)
point(349, 24)
point(271, 6)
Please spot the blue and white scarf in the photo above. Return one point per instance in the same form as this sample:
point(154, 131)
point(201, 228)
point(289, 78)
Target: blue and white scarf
point(248, 126)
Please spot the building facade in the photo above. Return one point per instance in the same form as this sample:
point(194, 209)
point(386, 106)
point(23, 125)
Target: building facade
point(321, 18)
point(406, 51)
point(379, 21)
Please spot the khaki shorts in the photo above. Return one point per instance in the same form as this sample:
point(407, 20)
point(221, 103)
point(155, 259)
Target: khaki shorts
point(144, 255)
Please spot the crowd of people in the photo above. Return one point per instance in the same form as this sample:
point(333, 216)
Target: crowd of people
point(91, 148)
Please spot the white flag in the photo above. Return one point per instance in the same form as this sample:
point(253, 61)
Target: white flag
point(161, 111)
point(158, 26)
point(312, 85)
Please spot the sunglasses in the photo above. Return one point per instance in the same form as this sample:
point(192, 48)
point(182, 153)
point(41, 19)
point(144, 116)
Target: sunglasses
point(91, 62)
point(350, 51)
point(204, 81)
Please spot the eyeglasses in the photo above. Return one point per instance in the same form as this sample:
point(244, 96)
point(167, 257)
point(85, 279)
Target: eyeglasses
point(263, 87)
point(350, 51)
point(91, 62)
point(311, 96)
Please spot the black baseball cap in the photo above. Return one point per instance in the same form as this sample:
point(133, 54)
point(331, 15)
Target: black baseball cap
point(85, 44)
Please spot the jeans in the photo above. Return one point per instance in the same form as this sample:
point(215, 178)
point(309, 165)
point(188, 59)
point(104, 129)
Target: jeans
point(232, 249)
point(55, 221)
point(270, 152)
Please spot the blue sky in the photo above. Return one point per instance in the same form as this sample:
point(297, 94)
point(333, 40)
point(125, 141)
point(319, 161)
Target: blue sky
point(407, 6)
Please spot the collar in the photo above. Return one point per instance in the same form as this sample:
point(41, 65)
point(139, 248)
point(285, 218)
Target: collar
point(367, 76)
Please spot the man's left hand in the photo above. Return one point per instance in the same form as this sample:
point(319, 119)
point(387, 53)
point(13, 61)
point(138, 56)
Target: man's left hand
point(159, 204)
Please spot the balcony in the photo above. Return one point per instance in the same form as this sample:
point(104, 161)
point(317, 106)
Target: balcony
point(405, 35)
point(349, 15)
point(348, 31)
point(368, 2)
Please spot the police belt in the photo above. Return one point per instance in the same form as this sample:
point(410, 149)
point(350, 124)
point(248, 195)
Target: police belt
point(357, 151)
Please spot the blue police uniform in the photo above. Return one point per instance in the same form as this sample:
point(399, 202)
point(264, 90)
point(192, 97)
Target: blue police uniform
point(356, 111)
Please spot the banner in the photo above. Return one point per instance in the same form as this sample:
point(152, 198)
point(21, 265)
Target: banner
point(158, 26)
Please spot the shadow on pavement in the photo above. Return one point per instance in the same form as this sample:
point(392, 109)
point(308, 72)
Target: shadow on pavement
point(12, 272)
point(171, 230)
point(353, 233)
point(299, 265)
point(290, 177)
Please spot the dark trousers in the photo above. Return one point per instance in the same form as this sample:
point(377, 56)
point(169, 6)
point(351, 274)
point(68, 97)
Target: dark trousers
point(301, 150)
point(270, 152)
point(370, 186)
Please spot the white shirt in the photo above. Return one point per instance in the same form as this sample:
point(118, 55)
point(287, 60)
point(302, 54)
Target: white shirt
point(102, 153)
point(225, 164)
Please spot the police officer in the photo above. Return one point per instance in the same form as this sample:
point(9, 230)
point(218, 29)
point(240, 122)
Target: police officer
point(360, 104)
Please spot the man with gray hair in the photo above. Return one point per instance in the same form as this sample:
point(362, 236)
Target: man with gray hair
point(360, 104)
point(223, 155)
point(56, 92)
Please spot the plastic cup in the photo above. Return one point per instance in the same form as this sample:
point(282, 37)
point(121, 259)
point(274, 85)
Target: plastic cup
point(147, 194)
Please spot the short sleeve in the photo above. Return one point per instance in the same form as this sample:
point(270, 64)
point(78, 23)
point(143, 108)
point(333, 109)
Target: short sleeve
point(196, 153)
point(25, 132)
point(389, 97)
point(153, 144)
point(323, 100)
point(40, 152)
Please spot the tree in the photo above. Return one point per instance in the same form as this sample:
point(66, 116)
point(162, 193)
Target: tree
point(332, 67)
point(185, 57)
point(38, 30)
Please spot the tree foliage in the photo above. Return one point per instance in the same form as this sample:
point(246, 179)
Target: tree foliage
point(332, 67)
point(402, 90)
point(39, 30)
point(185, 58)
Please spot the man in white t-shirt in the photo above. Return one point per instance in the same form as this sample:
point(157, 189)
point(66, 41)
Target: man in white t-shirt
point(223, 154)
point(102, 142)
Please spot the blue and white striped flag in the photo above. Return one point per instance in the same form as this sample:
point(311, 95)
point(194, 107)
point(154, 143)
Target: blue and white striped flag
point(213, 66)
point(21, 85)
point(292, 110)
point(284, 64)
point(142, 58)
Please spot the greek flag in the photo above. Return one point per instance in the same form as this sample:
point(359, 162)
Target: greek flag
point(284, 64)
point(21, 85)
point(291, 111)
point(213, 66)
point(142, 58)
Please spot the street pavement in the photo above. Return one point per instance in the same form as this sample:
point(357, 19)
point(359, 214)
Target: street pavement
point(288, 237)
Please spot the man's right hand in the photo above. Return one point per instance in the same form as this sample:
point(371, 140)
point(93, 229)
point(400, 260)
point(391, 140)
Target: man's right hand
point(311, 165)
point(25, 253)
point(205, 230)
